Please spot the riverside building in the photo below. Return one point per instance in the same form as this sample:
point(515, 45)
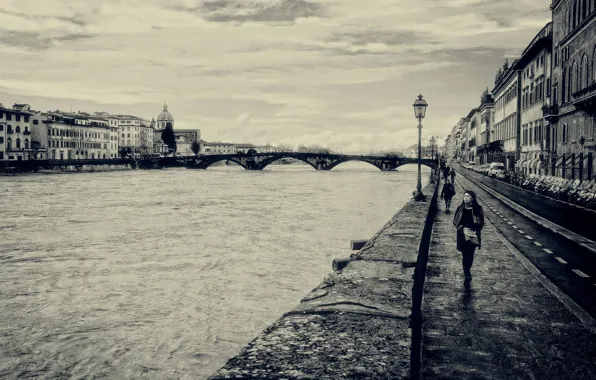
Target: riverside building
point(535, 68)
point(573, 110)
point(135, 135)
point(15, 132)
point(505, 133)
point(76, 136)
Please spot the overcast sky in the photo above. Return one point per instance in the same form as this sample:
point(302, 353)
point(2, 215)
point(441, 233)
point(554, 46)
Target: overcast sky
point(341, 73)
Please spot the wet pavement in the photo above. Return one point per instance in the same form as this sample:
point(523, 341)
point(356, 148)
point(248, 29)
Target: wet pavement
point(561, 259)
point(510, 323)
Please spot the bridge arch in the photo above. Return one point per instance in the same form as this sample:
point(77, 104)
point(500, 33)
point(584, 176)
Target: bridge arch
point(214, 160)
point(268, 161)
point(353, 159)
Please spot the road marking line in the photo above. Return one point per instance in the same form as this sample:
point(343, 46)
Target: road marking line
point(538, 244)
point(529, 237)
point(547, 250)
point(509, 223)
point(580, 273)
point(505, 219)
point(560, 260)
point(514, 226)
point(521, 232)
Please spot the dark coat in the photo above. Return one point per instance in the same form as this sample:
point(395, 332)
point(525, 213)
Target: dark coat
point(448, 191)
point(478, 215)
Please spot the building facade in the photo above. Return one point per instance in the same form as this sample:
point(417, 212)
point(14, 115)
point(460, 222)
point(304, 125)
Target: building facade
point(535, 68)
point(505, 132)
point(486, 111)
point(15, 132)
point(73, 136)
point(135, 134)
point(573, 111)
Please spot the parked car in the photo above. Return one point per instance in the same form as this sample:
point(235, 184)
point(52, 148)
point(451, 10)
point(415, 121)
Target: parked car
point(496, 170)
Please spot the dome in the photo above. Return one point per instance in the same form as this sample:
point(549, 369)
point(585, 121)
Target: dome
point(165, 115)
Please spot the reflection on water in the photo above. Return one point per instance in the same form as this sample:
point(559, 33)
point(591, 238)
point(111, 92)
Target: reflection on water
point(165, 274)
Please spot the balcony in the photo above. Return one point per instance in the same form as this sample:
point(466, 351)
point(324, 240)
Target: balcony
point(585, 99)
point(550, 113)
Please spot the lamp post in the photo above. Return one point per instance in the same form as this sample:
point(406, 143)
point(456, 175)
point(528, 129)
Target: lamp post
point(419, 111)
point(432, 157)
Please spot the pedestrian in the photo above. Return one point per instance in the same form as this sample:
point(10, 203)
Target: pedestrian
point(452, 173)
point(447, 193)
point(468, 220)
point(446, 172)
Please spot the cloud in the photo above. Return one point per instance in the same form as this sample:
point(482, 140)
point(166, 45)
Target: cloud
point(341, 73)
point(276, 11)
point(243, 119)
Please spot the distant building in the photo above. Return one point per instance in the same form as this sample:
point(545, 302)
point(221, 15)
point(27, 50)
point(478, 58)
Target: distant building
point(15, 132)
point(184, 137)
point(135, 134)
point(76, 136)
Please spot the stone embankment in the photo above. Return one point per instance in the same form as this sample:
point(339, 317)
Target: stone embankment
point(360, 323)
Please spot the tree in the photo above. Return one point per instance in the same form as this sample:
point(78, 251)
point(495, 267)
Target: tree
point(195, 147)
point(169, 138)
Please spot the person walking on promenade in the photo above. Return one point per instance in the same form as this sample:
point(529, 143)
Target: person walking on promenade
point(446, 172)
point(468, 220)
point(447, 193)
point(452, 173)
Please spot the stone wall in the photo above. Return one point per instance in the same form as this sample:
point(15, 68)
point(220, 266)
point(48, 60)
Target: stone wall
point(358, 322)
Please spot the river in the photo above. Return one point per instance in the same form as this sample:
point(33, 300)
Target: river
point(165, 274)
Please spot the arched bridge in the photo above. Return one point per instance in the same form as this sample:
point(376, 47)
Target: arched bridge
point(319, 161)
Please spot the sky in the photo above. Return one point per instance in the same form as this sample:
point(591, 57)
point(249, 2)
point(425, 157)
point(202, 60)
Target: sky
point(340, 73)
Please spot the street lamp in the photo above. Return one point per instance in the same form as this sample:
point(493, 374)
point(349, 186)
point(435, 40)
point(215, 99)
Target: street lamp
point(419, 111)
point(432, 157)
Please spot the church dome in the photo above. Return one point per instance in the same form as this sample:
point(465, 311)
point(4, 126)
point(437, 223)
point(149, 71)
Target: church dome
point(165, 115)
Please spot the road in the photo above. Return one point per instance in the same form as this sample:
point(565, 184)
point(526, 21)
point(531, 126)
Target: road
point(562, 261)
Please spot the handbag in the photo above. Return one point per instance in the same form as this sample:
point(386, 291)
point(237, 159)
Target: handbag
point(471, 236)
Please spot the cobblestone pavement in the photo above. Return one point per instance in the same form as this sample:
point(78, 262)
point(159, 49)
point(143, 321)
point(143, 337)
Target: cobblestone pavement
point(507, 325)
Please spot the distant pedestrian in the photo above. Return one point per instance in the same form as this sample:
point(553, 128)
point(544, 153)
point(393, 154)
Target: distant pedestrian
point(452, 173)
point(469, 220)
point(446, 172)
point(447, 193)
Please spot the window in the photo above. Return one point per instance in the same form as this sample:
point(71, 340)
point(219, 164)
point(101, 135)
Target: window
point(1, 140)
point(18, 129)
point(26, 144)
point(18, 143)
point(35, 122)
point(1, 127)
point(584, 71)
point(18, 117)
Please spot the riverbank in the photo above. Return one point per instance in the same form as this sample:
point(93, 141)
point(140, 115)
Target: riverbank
point(362, 322)
point(5, 171)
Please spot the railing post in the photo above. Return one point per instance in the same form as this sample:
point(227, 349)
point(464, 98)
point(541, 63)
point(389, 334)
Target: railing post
point(590, 166)
point(564, 166)
point(573, 166)
point(581, 167)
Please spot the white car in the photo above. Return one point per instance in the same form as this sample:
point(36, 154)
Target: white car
point(496, 170)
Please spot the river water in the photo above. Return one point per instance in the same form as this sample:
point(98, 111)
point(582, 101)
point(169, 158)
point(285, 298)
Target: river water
point(165, 274)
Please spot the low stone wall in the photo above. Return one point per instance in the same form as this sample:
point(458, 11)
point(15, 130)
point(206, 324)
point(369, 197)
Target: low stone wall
point(357, 323)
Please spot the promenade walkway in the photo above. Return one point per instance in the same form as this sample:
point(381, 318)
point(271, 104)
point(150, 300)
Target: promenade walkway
point(508, 325)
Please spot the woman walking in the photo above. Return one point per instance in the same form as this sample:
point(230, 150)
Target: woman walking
point(468, 220)
point(447, 193)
